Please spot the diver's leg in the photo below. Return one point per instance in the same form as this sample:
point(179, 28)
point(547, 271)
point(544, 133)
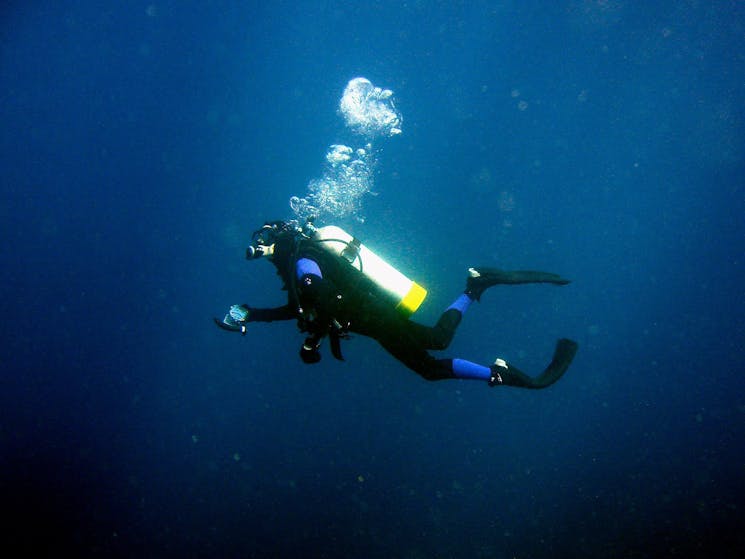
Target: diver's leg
point(441, 334)
point(501, 373)
point(377, 322)
point(481, 278)
point(404, 348)
point(416, 358)
point(438, 336)
point(409, 345)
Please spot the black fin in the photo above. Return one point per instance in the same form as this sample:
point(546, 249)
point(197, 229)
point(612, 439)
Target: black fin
point(509, 375)
point(563, 356)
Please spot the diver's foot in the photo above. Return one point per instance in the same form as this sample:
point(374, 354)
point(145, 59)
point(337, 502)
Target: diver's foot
point(498, 372)
point(481, 278)
point(504, 374)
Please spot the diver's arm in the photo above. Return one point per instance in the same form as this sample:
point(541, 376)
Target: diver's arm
point(305, 269)
point(238, 315)
point(270, 315)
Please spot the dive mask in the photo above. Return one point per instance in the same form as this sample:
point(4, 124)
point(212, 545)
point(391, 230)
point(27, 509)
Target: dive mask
point(263, 240)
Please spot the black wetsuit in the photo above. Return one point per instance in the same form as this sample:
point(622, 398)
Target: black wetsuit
point(360, 310)
point(336, 298)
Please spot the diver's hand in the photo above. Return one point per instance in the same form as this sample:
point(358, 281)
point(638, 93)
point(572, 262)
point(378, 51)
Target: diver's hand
point(235, 320)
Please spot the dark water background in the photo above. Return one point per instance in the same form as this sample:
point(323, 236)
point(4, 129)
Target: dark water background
point(603, 140)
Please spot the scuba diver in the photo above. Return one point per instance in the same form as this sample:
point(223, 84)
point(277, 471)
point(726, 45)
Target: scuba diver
point(337, 286)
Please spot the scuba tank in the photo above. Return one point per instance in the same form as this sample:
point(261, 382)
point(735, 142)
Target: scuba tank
point(406, 295)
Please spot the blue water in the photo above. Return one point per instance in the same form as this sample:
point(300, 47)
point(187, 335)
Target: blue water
point(602, 140)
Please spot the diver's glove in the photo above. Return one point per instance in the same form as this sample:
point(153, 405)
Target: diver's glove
point(309, 350)
point(237, 313)
point(235, 320)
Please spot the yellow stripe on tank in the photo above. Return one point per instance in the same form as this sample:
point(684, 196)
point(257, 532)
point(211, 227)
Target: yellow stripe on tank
point(412, 299)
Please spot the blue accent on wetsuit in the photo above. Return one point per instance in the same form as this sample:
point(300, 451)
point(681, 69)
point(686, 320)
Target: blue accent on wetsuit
point(461, 303)
point(468, 370)
point(307, 266)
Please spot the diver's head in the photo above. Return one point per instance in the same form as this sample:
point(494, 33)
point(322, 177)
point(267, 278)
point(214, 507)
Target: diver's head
point(264, 239)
